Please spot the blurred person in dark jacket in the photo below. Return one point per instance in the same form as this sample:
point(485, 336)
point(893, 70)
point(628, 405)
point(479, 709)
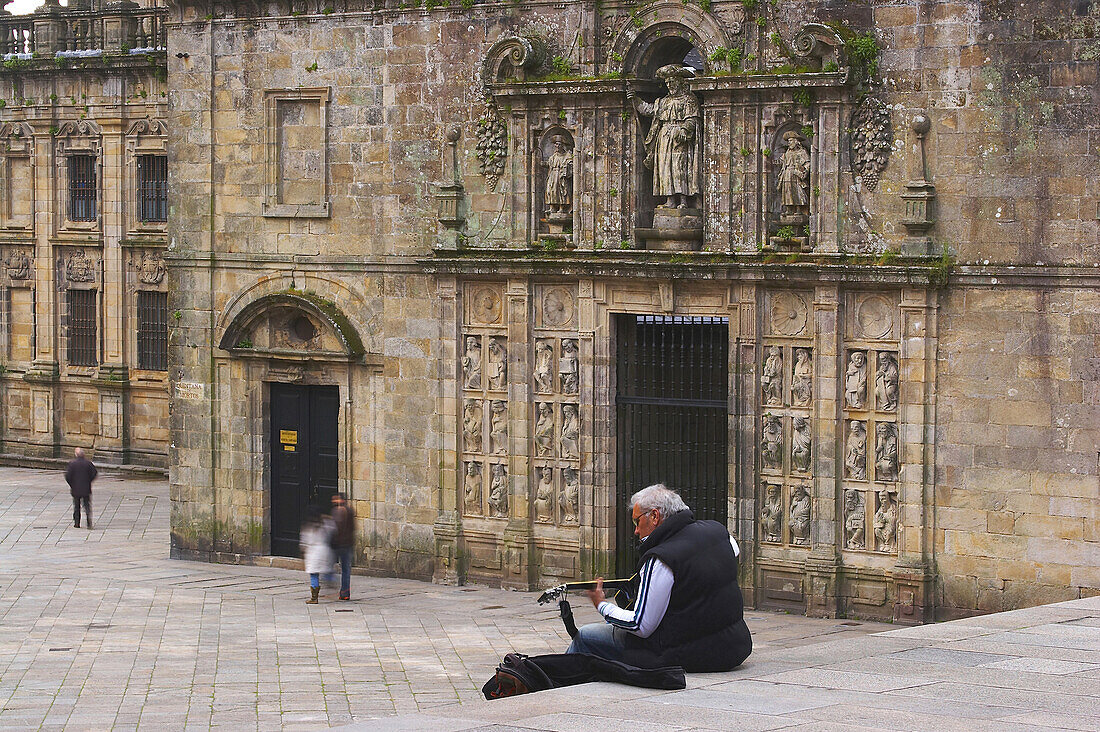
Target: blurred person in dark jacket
point(79, 475)
point(343, 540)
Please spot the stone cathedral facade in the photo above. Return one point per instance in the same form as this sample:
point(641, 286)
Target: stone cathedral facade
point(83, 228)
point(827, 267)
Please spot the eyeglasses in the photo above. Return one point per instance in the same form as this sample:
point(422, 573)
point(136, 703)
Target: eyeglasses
point(636, 519)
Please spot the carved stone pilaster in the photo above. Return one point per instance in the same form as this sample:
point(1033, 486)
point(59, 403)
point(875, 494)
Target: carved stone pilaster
point(450, 565)
point(912, 591)
point(518, 571)
point(920, 198)
point(822, 585)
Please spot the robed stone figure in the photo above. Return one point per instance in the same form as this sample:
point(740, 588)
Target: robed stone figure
point(673, 137)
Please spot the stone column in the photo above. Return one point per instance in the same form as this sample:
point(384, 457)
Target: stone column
point(743, 467)
point(518, 571)
point(449, 566)
point(825, 179)
point(912, 576)
point(823, 564)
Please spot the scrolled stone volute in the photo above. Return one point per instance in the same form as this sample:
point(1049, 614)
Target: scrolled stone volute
point(513, 57)
point(819, 44)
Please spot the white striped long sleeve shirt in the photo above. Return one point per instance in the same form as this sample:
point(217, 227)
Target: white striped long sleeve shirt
point(654, 590)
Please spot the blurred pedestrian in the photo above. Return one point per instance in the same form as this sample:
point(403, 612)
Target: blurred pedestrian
point(315, 542)
point(79, 475)
point(343, 540)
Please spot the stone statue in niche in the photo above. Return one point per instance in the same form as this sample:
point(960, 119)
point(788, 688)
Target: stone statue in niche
point(794, 180)
point(471, 363)
point(886, 382)
point(473, 488)
point(855, 455)
point(559, 180)
point(886, 451)
point(544, 430)
point(544, 367)
point(19, 265)
point(671, 142)
point(800, 516)
point(570, 432)
point(886, 522)
point(498, 491)
point(802, 380)
point(568, 367)
point(771, 446)
point(498, 426)
point(855, 380)
point(771, 516)
point(855, 519)
point(800, 444)
point(471, 425)
point(569, 501)
point(771, 380)
point(544, 496)
point(498, 364)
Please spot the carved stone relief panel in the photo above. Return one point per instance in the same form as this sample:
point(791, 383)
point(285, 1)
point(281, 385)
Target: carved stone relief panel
point(498, 427)
point(544, 430)
point(855, 520)
point(471, 363)
point(79, 267)
point(498, 491)
point(484, 305)
point(545, 495)
point(771, 445)
point(802, 378)
point(871, 317)
point(855, 381)
point(800, 516)
point(886, 521)
point(570, 496)
point(569, 367)
point(472, 488)
point(18, 265)
point(855, 451)
point(472, 418)
point(544, 366)
point(771, 515)
point(555, 307)
point(569, 444)
point(787, 314)
point(771, 379)
point(150, 267)
point(498, 363)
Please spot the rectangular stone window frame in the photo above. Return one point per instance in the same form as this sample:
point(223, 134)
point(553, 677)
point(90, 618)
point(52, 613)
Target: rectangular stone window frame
point(16, 153)
point(152, 330)
point(67, 150)
point(272, 206)
point(143, 141)
point(82, 327)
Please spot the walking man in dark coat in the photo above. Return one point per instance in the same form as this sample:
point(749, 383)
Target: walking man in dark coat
point(343, 540)
point(79, 475)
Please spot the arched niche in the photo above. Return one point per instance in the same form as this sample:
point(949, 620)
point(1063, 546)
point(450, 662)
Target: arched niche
point(553, 219)
point(671, 33)
point(292, 325)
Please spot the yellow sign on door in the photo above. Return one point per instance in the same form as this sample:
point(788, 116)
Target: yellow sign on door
point(288, 437)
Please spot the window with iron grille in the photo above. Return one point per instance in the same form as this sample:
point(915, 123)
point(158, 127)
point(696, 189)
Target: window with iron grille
point(82, 327)
point(152, 342)
point(82, 188)
point(152, 171)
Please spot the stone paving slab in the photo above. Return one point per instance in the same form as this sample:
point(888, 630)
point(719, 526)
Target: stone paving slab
point(101, 630)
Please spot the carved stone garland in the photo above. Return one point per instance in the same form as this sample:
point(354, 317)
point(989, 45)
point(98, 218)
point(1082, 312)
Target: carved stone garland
point(871, 140)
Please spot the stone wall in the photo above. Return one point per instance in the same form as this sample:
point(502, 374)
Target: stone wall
point(383, 172)
point(70, 86)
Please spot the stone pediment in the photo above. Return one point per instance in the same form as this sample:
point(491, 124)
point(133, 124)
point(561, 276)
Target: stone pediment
point(293, 326)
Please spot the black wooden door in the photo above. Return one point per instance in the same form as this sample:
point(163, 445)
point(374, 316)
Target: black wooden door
point(304, 457)
point(671, 416)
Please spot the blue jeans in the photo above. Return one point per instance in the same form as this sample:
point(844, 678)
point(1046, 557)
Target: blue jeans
point(343, 556)
point(600, 639)
point(314, 580)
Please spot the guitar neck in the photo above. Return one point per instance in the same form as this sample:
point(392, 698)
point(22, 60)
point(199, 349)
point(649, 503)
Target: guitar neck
point(608, 584)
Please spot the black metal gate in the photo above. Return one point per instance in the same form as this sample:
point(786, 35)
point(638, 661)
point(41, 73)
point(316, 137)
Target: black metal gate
point(671, 409)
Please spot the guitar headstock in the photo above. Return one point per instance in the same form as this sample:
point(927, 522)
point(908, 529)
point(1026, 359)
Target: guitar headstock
point(554, 593)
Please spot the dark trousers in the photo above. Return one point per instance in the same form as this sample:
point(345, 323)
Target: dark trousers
point(343, 556)
point(87, 501)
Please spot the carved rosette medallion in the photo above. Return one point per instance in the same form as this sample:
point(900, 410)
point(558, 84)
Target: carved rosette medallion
point(485, 306)
point(557, 307)
point(788, 314)
point(875, 317)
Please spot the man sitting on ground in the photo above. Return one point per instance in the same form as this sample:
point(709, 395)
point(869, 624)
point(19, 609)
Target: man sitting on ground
point(689, 611)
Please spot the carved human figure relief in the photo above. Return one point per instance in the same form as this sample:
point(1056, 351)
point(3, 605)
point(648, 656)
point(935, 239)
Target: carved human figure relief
point(855, 454)
point(569, 500)
point(771, 379)
point(802, 379)
point(498, 426)
point(471, 363)
point(886, 523)
point(559, 178)
point(472, 488)
point(544, 367)
point(794, 175)
point(771, 445)
point(544, 496)
point(569, 444)
point(855, 380)
point(800, 516)
point(568, 367)
point(771, 515)
point(886, 451)
point(800, 444)
point(471, 425)
point(18, 265)
point(498, 491)
point(498, 364)
point(671, 143)
point(544, 430)
point(886, 382)
point(855, 519)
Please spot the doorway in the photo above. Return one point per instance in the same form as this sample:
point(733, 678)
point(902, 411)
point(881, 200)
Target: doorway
point(671, 416)
point(304, 458)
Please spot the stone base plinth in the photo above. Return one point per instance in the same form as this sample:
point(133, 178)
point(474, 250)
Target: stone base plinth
point(674, 229)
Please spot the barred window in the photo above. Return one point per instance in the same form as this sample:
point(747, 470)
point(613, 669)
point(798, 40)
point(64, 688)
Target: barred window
point(82, 327)
point(152, 341)
point(82, 188)
point(152, 173)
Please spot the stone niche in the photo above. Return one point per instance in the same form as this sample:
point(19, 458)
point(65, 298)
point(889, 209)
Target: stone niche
point(696, 132)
